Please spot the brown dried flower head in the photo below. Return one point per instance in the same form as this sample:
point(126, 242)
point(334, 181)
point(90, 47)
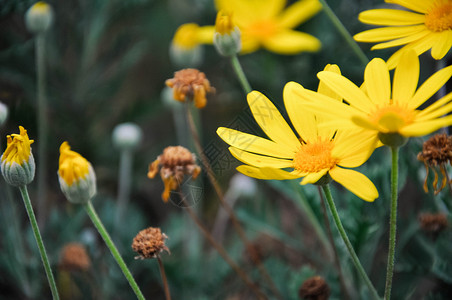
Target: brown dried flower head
point(175, 162)
point(74, 257)
point(433, 223)
point(190, 84)
point(149, 243)
point(436, 153)
point(314, 288)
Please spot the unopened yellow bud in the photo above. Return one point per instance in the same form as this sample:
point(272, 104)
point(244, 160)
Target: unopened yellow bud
point(226, 39)
point(39, 17)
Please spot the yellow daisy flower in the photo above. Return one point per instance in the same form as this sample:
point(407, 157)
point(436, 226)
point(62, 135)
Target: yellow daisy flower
point(381, 110)
point(268, 24)
point(428, 25)
point(314, 153)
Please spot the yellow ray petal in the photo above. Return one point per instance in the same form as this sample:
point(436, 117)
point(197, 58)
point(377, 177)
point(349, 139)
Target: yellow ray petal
point(291, 42)
point(266, 173)
point(378, 83)
point(442, 44)
point(355, 182)
point(271, 121)
point(364, 122)
point(255, 144)
point(440, 103)
point(406, 77)
point(430, 87)
point(324, 89)
point(388, 33)
point(419, 6)
point(313, 177)
point(249, 44)
point(205, 34)
point(249, 10)
point(433, 114)
point(420, 46)
point(260, 160)
point(303, 120)
point(402, 41)
point(354, 147)
point(347, 90)
point(390, 17)
point(424, 128)
point(298, 12)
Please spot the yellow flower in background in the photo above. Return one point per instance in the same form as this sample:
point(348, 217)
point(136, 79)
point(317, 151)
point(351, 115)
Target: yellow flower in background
point(189, 36)
point(17, 162)
point(382, 110)
point(316, 153)
point(427, 24)
point(268, 24)
point(76, 176)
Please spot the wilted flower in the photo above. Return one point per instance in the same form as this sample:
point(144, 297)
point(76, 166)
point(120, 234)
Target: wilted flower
point(433, 223)
point(226, 38)
point(149, 243)
point(190, 85)
point(76, 176)
point(174, 163)
point(314, 288)
point(39, 17)
point(436, 153)
point(127, 136)
point(420, 26)
point(17, 162)
point(74, 257)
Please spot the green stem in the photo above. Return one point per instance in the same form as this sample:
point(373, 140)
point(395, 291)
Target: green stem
point(392, 220)
point(125, 176)
point(114, 251)
point(240, 74)
point(344, 32)
point(37, 234)
point(351, 251)
point(42, 125)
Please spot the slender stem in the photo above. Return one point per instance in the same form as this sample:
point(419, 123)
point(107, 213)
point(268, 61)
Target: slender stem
point(344, 32)
point(240, 74)
point(165, 281)
point(114, 251)
point(351, 251)
point(37, 234)
point(42, 126)
point(125, 171)
point(330, 237)
point(392, 221)
point(222, 251)
point(226, 205)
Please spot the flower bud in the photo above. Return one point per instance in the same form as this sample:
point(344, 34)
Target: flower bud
point(76, 176)
point(226, 38)
point(17, 162)
point(127, 136)
point(39, 17)
point(3, 113)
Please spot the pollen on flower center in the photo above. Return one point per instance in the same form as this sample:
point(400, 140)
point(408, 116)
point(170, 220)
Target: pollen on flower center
point(262, 28)
point(316, 156)
point(392, 117)
point(440, 17)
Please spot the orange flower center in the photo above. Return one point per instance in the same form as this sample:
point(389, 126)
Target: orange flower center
point(392, 117)
point(262, 29)
point(314, 157)
point(439, 18)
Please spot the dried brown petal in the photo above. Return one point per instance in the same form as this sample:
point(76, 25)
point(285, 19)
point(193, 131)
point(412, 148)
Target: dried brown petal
point(74, 257)
point(314, 288)
point(149, 243)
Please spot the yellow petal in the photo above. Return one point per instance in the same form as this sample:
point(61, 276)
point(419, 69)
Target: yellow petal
point(388, 33)
point(303, 120)
point(355, 182)
point(390, 17)
point(313, 177)
point(440, 112)
point(249, 44)
point(271, 121)
point(364, 122)
point(424, 128)
point(420, 46)
point(419, 6)
point(249, 10)
point(354, 147)
point(299, 12)
point(266, 173)
point(378, 83)
point(439, 104)
point(260, 160)
point(324, 89)
point(430, 87)
point(291, 42)
point(205, 34)
point(442, 44)
point(402, 41)
point(255, 144)
point(347, 90)
point(406, 77)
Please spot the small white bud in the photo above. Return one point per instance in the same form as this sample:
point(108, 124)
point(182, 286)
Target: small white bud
point(127, 136)
point(39, 17)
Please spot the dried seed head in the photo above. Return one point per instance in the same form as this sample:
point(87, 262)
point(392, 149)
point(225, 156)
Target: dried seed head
point(74, 257)
point(175, 162)
point(433, 223)
point(436, 154)
point(149, 243)
point(314, 288)
point(192, 85)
